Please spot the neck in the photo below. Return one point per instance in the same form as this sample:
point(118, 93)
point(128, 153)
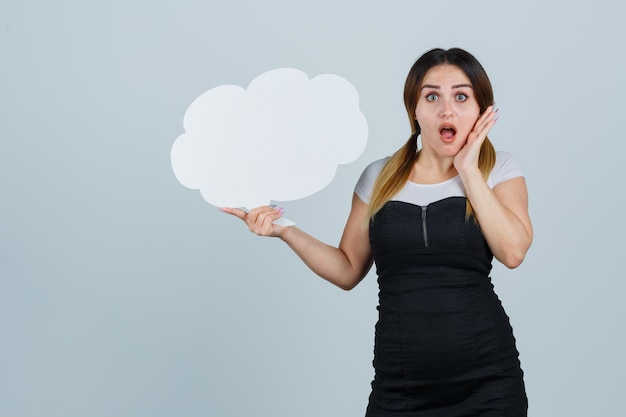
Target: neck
point(435, 163)
point(432, 169)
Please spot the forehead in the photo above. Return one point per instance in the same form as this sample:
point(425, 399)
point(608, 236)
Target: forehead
point(445, 75)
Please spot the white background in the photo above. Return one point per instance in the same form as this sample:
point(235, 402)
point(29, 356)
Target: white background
point(122, 293)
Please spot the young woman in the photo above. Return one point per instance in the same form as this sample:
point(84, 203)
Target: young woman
point(432, 219)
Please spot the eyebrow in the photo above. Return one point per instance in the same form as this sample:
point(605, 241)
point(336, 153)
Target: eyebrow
point(453, 87)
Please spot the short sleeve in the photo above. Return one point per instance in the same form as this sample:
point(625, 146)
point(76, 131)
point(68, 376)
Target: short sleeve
point(506, 168)
point(364, 185)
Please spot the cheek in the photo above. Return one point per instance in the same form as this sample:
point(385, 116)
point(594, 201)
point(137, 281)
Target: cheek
point(470, 118)
point(418, 112)
point(466, 127)
point(474, 113)
point(422, 114)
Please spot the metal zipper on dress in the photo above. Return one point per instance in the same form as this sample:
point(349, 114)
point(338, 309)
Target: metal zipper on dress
point(424, 230)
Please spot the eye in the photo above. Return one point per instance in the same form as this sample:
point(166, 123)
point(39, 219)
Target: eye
point(432, 97)
point(461, 97)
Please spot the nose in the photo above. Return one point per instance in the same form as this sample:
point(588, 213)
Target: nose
point(446, 108)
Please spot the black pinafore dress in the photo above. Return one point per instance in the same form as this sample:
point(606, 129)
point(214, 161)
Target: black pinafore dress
point(443, 344)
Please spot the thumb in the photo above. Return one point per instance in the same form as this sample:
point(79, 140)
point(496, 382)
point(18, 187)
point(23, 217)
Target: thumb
point(234, 212)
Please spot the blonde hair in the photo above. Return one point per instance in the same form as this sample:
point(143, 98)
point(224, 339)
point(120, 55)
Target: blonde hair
point(397, 169)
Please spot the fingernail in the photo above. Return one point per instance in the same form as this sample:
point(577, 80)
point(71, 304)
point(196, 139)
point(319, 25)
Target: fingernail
point(221, 209)
point(279, 209)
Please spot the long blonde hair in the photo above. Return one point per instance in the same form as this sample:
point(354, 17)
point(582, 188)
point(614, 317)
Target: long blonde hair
point(395, 173)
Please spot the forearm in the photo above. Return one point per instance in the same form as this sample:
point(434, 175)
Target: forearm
point(329, 262)
point(345, 266)
point(502, 216)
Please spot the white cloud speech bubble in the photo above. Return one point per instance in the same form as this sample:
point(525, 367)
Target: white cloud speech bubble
point(281, 139)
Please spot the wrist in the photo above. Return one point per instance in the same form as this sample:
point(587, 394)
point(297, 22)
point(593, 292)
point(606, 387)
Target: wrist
point(284, 233)
point(469, 172)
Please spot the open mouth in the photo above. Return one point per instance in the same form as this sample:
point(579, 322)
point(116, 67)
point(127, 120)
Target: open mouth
point(447, 133)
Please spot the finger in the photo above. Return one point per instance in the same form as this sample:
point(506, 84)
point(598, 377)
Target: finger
point(484, 128)
point(258, 213)
point(485, 123)
point(271, 214)
point(490, 114)
point(234, 212)
point(270, 218)
point(264, 221)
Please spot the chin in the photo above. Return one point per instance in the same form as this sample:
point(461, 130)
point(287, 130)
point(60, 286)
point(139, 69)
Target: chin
point(450, 150)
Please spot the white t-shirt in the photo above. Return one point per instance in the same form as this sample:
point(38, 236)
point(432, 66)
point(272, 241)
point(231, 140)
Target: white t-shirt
point(506, 168)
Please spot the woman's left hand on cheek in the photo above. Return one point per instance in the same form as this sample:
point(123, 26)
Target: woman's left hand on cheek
point(467, 157)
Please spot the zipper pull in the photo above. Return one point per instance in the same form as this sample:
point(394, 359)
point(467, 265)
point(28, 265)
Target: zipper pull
point(424, 229)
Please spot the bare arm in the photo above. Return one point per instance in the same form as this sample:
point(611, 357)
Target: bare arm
point(345, 266)
point(502, 214)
